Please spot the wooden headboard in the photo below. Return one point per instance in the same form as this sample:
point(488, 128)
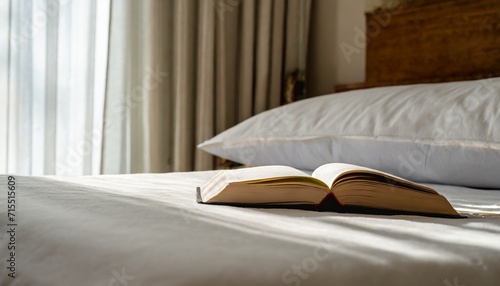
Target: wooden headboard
point(433, 41)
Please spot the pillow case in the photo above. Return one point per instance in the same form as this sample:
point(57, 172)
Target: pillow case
point(441, 133)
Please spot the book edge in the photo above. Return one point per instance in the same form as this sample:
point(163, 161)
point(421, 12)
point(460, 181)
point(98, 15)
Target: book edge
point(198, 196)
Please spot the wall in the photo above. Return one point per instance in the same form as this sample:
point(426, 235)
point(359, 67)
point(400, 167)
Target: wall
point(333, 56)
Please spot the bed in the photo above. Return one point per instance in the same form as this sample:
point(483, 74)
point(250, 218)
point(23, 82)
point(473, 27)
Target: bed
point(147, 229)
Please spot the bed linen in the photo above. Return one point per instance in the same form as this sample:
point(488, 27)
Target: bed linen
point(147, 229)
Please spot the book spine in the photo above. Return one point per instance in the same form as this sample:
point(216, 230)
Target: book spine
point(198, 195)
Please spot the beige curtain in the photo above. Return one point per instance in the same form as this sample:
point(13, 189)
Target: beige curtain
point(181, 71)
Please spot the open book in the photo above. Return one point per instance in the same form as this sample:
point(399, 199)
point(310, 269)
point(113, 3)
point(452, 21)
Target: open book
point(340, 187)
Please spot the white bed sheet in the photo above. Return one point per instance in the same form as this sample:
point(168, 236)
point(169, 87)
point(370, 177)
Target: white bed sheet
point(147, 229)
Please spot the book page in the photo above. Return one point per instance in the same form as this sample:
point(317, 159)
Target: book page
point(262, 173)
point(328, 173)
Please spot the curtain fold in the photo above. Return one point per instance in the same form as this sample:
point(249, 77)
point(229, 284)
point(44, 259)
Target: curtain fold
point(205, 93)
point(246, 59)
point(184, 82)
point(223, 61)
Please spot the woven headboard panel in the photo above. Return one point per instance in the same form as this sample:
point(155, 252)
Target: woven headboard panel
point(433, 41)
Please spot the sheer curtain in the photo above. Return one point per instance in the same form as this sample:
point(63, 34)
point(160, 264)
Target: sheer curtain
point(52, 78)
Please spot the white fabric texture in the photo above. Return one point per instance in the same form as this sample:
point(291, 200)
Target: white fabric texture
point(52, 67)
point(443, 133)
point(147, 229)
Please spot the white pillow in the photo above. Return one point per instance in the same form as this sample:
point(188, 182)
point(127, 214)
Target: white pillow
point(442, 133)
